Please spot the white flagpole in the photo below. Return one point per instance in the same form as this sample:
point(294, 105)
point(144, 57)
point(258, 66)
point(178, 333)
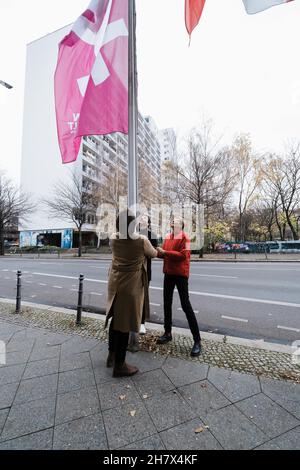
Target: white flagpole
point(133, 110)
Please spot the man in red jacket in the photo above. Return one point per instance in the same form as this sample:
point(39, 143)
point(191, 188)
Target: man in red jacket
point(176, 254)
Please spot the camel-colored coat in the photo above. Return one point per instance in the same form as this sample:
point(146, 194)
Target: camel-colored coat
point(128, 292)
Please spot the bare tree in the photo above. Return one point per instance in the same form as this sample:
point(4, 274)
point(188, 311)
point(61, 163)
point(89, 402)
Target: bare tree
point(113, 186)
point(282, 177)
point(207, 177)
point(72, 201)
point(249, 176)
point(14, 206)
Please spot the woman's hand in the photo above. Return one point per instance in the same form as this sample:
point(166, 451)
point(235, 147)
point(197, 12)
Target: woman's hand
point(161, 251)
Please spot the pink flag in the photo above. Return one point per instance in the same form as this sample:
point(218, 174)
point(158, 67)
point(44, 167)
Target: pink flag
point(255, 6)
point(91, 78)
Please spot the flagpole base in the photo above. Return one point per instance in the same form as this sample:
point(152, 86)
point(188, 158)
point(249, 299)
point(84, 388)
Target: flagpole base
point(133, 343)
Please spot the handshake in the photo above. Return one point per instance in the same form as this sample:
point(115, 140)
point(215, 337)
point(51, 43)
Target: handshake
point(160, 251)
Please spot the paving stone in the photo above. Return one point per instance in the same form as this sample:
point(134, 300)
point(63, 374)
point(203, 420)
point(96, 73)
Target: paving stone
point(123, 429)
point(37, 388)
point(3, 416)
point(77, 345)
point(41, 440)
point(52, 339)
point(75, 361)
point(183, 437)
point(99, 355)
point(25, 344)
point(28, 418)
point(182, 372)
point(233, 430)
point(77, 404)
point(234, 385)
point(10, 374)
point(145, 361)
point(203, 397)
point(76, 379)
point(286, 394)
point(46, 352)
point(17, 357)
point(287, 441)
point(110, 393)
point(103, 374)
point(168, 410)
point(81, 434)
point(7, 394)
point(271, 418)
point(41, 368)
point(150, 443)
point(152, 383)
point(268, 446)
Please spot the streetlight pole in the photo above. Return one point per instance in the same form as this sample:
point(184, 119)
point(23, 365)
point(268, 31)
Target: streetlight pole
point(6, 85)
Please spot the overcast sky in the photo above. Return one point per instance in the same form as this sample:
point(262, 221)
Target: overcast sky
point(242, 71)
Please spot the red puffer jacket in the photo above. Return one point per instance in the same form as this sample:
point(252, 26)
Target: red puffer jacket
point(177, 256)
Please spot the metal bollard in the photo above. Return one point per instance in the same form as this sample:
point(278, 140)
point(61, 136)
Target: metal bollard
point(18, 303)
point(80, 295)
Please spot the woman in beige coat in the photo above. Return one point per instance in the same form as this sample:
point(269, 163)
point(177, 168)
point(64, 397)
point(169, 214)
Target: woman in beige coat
point(128, 295)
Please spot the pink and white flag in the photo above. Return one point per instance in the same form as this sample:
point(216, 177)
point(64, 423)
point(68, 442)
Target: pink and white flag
point(255, 6)
point(91, 78)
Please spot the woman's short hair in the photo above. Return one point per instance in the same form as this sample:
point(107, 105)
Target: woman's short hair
point(125, 223)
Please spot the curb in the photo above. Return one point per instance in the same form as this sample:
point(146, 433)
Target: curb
point(256, 344)
point(203, 260)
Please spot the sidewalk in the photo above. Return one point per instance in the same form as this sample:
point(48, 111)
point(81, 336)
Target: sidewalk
point(56, 393)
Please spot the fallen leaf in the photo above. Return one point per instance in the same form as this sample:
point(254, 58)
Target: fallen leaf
point(145, 396)
point(122, 397)
point(128, 386)
point(203, 386)
point(198, 430)
point(133, 413)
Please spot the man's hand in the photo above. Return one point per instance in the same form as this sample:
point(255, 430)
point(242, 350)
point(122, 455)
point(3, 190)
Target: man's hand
point(161, 251)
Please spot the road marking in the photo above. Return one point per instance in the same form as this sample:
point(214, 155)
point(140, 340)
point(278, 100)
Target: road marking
point(33, 296)
point(180, 309)
point(7, 278)
point(41, 284)
point(214, 275)
point(235, 297)
point(95, 293)
point(154, 305)
point(5, 270)
point(297, 330)
point(57, 287)
point(235, 319)
point(69, 277)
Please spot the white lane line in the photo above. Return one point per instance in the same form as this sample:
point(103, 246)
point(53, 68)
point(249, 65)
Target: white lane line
point(297, 330)
point(57, 287)
point(33, 296)
point(70, 277)
point(235, 319)
point(154, 305)
point(95, 293)
point(7, 278)
point(180, 309)
point(235, 297)
point(214, 275)
point(41, 284)
point(5, 270)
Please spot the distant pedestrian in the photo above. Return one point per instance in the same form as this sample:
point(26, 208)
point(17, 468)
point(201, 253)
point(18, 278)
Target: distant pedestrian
point(128, 295)
point(176, 255)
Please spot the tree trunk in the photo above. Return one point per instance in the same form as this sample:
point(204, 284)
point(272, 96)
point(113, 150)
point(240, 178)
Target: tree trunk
point(79, 243)
point(1, 240)
point(290, 224)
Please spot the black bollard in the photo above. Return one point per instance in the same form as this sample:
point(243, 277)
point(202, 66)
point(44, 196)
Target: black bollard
point(80, 295)
point(18, 303)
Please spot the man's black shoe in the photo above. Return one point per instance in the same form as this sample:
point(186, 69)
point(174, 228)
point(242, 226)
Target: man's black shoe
point(164, 339)
point(196, 351)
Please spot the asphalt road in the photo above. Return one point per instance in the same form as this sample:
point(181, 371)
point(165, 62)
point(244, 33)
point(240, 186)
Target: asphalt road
point(250, 300)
